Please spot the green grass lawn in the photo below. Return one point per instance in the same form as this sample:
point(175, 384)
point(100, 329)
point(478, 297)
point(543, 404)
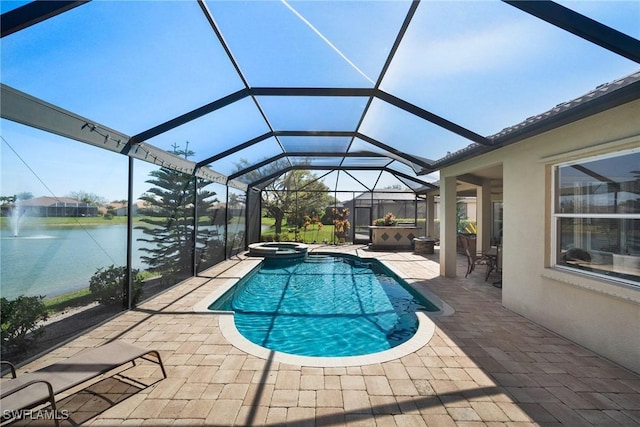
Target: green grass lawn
point(68, 221)
point(93, 221)
point(312, 234)
point(78, 298)
point(68, 300)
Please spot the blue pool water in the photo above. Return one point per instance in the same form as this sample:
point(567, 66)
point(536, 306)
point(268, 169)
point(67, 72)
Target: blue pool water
point(324, 306)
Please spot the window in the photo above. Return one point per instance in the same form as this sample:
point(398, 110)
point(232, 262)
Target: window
point(597, 216)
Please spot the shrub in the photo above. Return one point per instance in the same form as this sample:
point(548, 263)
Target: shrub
point(20, 321)
point(106, 285)
point(388, 220)
point(341, 224)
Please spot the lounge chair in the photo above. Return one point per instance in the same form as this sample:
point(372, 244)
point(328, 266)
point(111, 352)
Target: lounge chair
point(32, 389)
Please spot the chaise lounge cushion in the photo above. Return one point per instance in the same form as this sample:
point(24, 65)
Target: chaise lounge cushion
point(62, 376)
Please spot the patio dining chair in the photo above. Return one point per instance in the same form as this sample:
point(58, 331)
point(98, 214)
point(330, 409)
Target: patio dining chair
point(473, 258)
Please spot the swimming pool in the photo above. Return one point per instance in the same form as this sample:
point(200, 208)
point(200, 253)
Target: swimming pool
point(324, 306)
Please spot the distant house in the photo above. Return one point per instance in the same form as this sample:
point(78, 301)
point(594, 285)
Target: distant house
point(122, 209)
point(399, 202)
point(56, 207)
point(402, 203)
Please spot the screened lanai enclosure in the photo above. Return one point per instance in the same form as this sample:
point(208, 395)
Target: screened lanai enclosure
point(199, 127)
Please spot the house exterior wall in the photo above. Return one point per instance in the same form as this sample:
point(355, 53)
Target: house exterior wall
point(471, 207)
point(123, 211)
point(62, 210)
point(601, 315)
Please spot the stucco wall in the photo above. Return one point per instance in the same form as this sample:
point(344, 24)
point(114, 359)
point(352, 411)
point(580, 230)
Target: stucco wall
point(601, 315)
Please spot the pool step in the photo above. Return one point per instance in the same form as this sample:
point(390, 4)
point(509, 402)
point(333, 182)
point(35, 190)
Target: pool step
point(321, 258)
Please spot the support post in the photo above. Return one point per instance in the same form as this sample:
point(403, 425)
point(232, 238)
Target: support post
point(448, 232)
point(127, 302)
point(483, 215)
point(226, 225)
point(194, 232)
point(431, 216)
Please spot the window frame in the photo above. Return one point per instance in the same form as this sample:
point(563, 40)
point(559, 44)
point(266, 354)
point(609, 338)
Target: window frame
point(556, 217)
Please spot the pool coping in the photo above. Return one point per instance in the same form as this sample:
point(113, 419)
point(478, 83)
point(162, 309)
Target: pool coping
point(426, 329)
point(422, 336)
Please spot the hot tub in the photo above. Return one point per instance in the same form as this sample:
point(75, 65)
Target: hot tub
point(280, 250)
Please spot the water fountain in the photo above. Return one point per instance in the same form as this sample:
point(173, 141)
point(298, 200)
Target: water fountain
point(16, 217)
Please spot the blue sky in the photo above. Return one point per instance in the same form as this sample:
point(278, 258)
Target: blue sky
point(132, 65)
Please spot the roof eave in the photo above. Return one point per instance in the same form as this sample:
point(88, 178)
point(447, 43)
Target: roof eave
point(556, 119)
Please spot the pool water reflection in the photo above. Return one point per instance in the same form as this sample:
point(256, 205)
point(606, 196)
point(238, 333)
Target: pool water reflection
point(325, 306)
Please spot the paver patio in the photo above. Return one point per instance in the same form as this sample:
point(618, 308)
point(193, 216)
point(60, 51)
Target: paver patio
point(484, 366)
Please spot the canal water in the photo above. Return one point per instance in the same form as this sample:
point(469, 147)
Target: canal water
point(52, 261)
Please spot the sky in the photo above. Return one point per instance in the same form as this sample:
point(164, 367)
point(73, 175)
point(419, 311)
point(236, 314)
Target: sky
point(132, 65)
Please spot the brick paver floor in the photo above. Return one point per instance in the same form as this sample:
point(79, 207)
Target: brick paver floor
point(484, 366)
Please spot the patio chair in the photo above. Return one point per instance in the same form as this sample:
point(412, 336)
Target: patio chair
point(32, 389)
point(474, 258)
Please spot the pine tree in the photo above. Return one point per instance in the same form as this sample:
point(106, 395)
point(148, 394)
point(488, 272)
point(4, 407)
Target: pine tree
point(169, 212)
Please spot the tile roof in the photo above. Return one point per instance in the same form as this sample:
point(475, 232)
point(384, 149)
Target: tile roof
point(502, 138)
point(565, 106)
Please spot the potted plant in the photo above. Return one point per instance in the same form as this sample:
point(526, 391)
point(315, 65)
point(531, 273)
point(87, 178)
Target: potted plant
point(341, 224)
point(389, 220)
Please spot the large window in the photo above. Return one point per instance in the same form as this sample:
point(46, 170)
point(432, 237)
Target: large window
point(597, 215)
